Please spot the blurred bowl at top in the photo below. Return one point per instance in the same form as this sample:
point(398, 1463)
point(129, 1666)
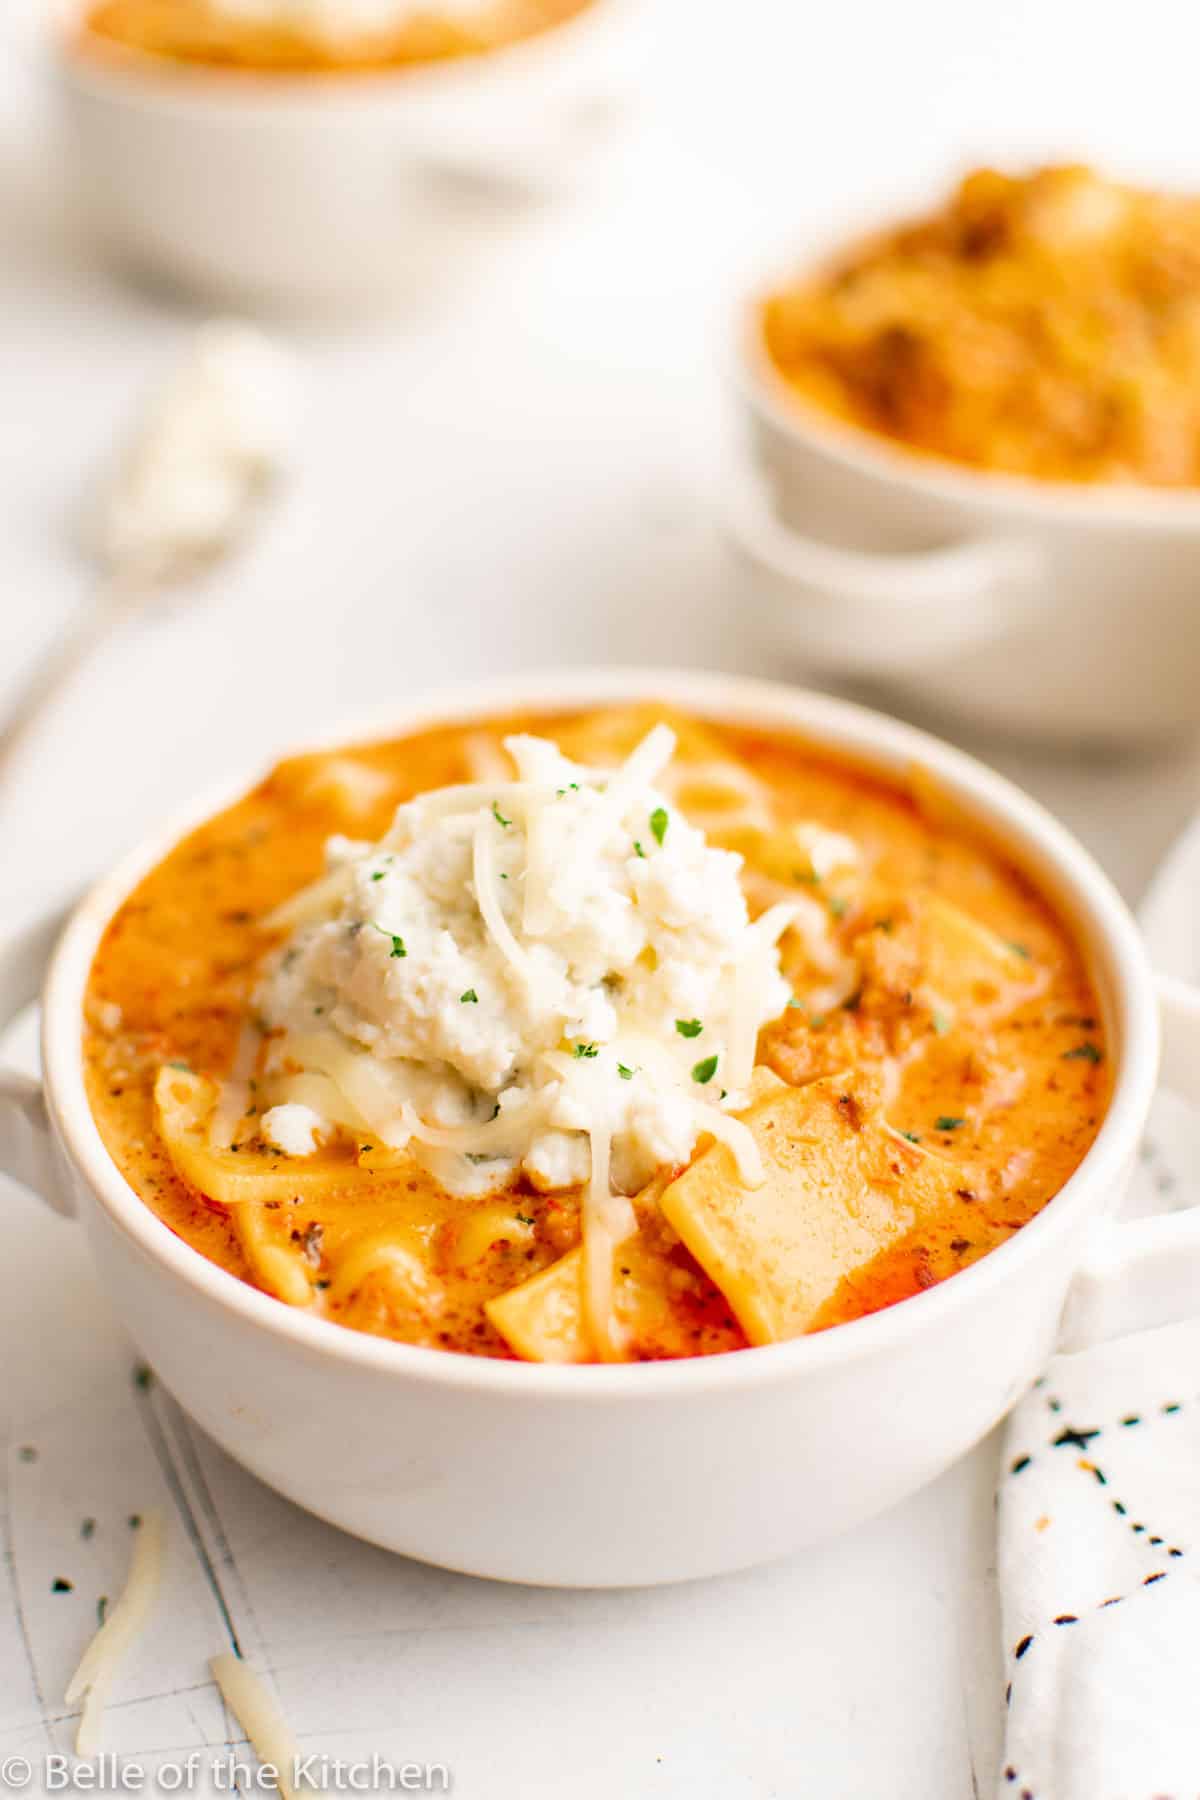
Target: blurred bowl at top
point(973, 459)
point(334, 185)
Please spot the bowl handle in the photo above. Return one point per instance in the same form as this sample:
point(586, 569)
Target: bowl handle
point(27, 1151)
point(884, 612)
point(1143, 1273)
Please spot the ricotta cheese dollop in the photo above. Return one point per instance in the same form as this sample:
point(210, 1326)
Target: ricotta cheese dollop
point(553, 975)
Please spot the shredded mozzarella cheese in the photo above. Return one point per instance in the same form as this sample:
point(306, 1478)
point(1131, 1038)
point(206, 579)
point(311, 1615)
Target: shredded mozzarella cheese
point(261, 1719)
point(94, 1676)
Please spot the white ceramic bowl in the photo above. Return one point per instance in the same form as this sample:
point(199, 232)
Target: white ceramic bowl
point(600, 1476)
point(1053, 609)
point(332, 192)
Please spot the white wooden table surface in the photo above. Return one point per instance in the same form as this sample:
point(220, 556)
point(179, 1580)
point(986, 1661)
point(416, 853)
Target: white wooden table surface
point(520, 474)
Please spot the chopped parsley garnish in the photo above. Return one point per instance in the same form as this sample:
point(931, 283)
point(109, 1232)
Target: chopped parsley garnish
point(658, 823)
point(524, 1219)
point(816, 1021)
point(499, 816)
point(101, 1609)
point(185, 1067)
point(795, 1002)
point(624, 1073)
point(470, 998)
point(143, 1377)
point(397, 942)
point(1084, 1053)
point(60, 1585)
point(637, 849)
point(587, 1049)
point(947, 1122)
point(689, 1028)
point(1019, 949)
point(704, 1071)
point(377, 875)
point(941, 1023)
point(572, 787)
point(87, 1529)
point(911, 1136)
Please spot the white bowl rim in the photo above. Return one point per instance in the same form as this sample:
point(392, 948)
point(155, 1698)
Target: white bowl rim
point(142, 77)
point(856, 449)
point(1016, 823)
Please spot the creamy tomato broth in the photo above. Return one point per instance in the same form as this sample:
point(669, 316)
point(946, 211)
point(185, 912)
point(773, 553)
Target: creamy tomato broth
point(607, 1036)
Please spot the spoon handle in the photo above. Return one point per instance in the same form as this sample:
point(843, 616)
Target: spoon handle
point(120, 596)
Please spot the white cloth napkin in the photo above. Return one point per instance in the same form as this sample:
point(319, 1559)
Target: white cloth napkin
point(1099, 1553)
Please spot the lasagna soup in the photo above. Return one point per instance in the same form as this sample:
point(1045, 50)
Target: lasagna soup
point(616, 1036)
point(1045, 325)
point(318, 36)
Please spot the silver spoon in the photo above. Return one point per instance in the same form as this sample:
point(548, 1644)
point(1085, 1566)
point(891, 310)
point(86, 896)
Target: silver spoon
point(187, 490)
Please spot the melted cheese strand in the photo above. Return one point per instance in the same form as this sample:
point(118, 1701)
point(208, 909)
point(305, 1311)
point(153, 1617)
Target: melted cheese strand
point(535, 915)
point(233, 1097)
point(319, 900)
point(372, 1094)
point(495, 1135)
point(598, 1249)
point(467, 798)
point(738, 1139)
point(751, 980)
point(649, 1055)
point(487, 898)
point(260, 1717)
point(640, 769)
point(98, 1665)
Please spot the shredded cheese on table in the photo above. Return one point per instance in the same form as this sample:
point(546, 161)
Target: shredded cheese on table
point(94, 1676)
point(260, 1717)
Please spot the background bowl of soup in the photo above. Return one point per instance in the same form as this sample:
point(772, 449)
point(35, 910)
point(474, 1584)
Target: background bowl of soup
point(999, 522)
point(332, 185)
point(648, 1471)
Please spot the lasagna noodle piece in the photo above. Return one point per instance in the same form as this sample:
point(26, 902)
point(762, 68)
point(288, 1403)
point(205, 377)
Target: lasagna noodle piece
point(840, 1186)
point(183, 1103)
point(545, 1319)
